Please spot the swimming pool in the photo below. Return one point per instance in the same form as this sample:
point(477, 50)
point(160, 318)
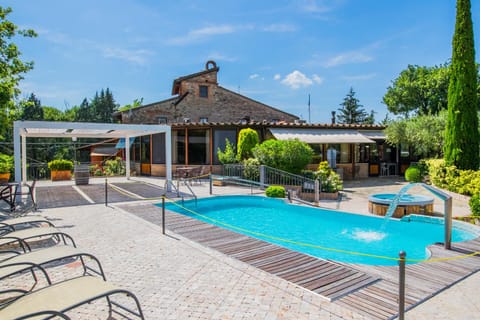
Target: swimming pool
point(314, 231)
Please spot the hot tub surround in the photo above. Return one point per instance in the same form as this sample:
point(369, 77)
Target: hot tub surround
point(409, 204)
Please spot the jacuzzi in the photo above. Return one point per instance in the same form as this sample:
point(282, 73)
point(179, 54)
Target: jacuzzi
point(380, 202)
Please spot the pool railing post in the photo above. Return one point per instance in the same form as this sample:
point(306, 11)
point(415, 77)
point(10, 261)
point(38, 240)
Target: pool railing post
point(106, 193)
point(262, 176)
point(211, 183)
point(447, 212)
point(163, 215)
point(317, 192)
point(448, 223)
point(401, 285)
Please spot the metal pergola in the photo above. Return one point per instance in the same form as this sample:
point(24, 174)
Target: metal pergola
point(52, 129)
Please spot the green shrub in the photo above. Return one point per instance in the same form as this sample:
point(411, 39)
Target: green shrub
point(329, 180)
point(275, 192)
point(114, 167)
point(6, 163)
point(60, 165)
point(465, 182)
point(413, 174)
point(251, 169)
point(247, 140)
point(228, 155)
point(287, 155)
point(475, 204)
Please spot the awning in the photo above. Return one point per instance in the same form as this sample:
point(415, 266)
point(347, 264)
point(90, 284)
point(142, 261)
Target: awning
point(320, 135)
point(104, 152)
point(373, 134)
point(121, 143)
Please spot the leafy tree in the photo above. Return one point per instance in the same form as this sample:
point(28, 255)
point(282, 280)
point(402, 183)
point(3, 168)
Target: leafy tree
point(462, 136)
point(418, 90)
point(32, 109)
point(84, 112)
point(104, 106)
point(99, 109)
point(247, 140)
point(288, 155)
point(12, 68)
point(423, 134)
point(53, 114)
point(136, 103)
point(228, 155)
point(352, 111)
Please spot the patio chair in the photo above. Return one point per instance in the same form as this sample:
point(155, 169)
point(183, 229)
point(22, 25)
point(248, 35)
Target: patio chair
point(13, 223)
point(26, 194)
point(21, 238)
point(59, 298)
point(38, 259)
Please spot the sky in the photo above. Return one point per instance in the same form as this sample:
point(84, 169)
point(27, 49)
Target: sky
point(278, 52)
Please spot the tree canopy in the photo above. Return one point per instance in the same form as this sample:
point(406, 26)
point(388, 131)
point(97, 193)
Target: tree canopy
point(12, 68)
point(352, 112)
point(288, 155)
point(462, 137)
point(418, 90)
point(424, 134)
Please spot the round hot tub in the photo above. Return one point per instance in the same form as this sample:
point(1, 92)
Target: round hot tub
point(380, 202)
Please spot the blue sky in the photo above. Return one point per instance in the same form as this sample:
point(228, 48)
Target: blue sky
point(277, 52)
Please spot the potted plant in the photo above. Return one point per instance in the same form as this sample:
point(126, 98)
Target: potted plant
point(6, 166)
point(330, 182)
point(60, 169)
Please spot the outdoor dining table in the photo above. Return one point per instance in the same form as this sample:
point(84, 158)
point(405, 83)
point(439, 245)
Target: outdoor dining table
point(184, 172)
point(8, 192)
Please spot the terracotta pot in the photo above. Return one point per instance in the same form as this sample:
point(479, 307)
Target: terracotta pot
point(61, 175)
point(4, 177)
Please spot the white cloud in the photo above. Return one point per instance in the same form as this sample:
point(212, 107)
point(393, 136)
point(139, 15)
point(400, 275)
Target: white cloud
point(348, 58)
point(211, 31)
point(207, 32)
point(279, 27)
point(317, 79)
point(254, 76)
point(318, 6)
point(277, 77)
point(360, 77)
point(221, 57)
point(296, 79)
point(133, 56)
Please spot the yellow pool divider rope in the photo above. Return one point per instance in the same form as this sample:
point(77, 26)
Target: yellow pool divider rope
point(298, 243)
point(304, 244)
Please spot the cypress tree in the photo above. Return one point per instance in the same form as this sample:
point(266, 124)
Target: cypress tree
point(461, 134)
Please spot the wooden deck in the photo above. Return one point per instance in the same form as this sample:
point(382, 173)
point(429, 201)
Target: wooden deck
point(368, 290)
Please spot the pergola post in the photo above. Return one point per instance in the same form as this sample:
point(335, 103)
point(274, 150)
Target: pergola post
point(16, 152)
point(168, 159)
point(24, 159)
point(127, 157)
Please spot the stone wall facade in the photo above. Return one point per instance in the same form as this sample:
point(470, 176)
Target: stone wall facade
point(217, 105)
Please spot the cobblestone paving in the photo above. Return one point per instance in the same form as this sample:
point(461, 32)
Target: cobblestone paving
point(175, 278)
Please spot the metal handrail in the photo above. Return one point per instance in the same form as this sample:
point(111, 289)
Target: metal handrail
point(266, 176)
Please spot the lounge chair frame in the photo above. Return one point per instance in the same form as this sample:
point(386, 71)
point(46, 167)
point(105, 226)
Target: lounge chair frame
point(22, 236)
point(52, 254)
point(12, 224)
point(101, 289)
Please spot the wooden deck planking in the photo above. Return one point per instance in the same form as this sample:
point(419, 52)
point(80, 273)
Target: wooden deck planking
point(369, 290)
point(266, 256)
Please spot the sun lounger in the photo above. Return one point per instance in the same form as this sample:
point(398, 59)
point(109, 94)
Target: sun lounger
point(22, 237)
point(39, 258)
point(64, 296)
point(12, 224)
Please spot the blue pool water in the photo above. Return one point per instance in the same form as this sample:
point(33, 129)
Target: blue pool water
point(313, 231)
